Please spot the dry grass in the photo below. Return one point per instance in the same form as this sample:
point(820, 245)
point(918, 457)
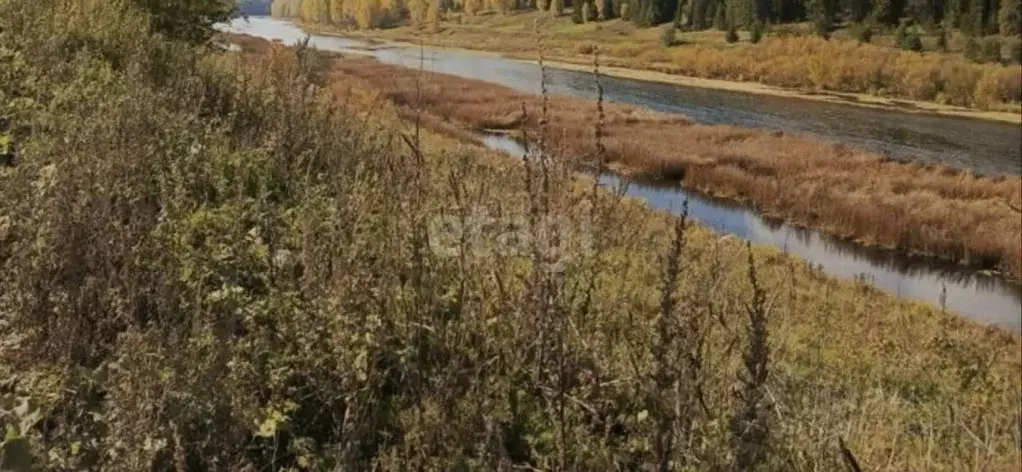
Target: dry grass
point(801, 62)
point(216, 263)
point(919, 208)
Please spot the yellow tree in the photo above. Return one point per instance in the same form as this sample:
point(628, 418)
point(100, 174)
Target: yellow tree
point(307, 10)
point(337, 12)
point(417, 11)
point(433, 16)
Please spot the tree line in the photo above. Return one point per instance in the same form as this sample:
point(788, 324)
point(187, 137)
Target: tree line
point(973, 17)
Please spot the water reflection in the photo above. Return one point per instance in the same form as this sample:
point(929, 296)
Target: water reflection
point(984, 146)
point(985, 298)
point(987, 147)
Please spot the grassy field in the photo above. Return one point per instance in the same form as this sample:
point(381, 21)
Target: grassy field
point(925, 209)
point(212, 261)
point(795, 62)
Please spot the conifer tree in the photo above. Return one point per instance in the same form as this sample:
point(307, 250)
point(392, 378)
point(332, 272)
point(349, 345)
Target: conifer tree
point(756, 32)
point(188, 20)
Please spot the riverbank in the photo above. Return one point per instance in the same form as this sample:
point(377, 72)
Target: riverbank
point(720, 68)
point(924, 209)
point(231, 261)
point(214, 260)
point(838, 346)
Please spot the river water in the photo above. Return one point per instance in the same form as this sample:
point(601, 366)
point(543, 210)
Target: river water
point(985, 147)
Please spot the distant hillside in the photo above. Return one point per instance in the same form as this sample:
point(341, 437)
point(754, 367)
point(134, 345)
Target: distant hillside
point(254, 7)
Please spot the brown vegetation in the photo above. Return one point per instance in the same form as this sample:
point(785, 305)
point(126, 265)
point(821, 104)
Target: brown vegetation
point(794, 62)
point(209, 262)
point(920, 208)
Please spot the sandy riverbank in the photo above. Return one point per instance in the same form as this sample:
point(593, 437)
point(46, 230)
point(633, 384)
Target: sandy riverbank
point(584, 64)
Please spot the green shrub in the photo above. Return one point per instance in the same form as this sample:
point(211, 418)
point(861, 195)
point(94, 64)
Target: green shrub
point(912, 41)
point(668, 35)
point(756, 32)
point(901, 33)
point(992, 50)
point(907, 37)
point(973, 51)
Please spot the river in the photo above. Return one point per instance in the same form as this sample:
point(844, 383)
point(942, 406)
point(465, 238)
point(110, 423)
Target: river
point(986, 147)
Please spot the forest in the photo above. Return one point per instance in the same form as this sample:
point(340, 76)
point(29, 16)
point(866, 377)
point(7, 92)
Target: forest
point(972, 17)
point(957, 54)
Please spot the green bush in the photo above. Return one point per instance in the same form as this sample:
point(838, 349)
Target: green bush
point(668, 35)
point(756, 32)
point(992, 50)
point(912, 41)
point(907, 37)
point(973, 51)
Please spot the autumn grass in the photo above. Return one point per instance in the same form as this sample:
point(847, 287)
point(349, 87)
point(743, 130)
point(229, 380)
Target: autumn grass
point(217, 262)
point(813, 384)
point(806, 63)
point(919, 208)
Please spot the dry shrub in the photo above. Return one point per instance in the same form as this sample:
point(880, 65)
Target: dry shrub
point(937, 210)
point(217, 262)
point(585, 48)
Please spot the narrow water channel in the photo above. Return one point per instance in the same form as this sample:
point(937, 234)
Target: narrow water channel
point(982, 146)
point(985, 298)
